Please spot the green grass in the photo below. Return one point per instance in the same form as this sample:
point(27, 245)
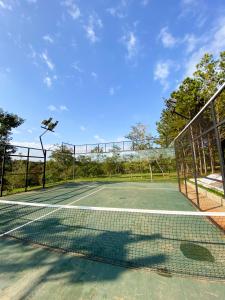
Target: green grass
point(138, 177)
point(213, 191)
point(34, 188)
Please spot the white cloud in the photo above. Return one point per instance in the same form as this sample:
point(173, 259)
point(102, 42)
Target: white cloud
point(4, 71)
point(33, 53)
point(91, 35)
point(72, 9)
point(16, 131)
point(94, 24)
point(48, 39)
point(32, 1)
point(218, 37)
point(94, 75)
point(196, 9)
point(130, 42)
point(112, 11)
point(118, 11)
point(144, 2)
point(189, 2)
point(167, 38)
point(29, 131)
point(63, 108)
point(161, 70)
point(99, 139)
point(111, 91)
point(76, 67)
point(47, 60)
point(5, 5)
point(48, 81)
point(191, 42)
point(57, 109)
point(161, 73)
point(82, 128)
point(212, 41)
point(52, 107)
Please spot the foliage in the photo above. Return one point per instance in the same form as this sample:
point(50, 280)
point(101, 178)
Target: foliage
point(191, 96)
point(139, 137)
point(8, 121)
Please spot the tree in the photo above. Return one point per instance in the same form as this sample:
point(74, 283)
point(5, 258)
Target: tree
point(139, 136)
point(207, 75)
point(191, 96)
point(60, 165)
point(8, 121)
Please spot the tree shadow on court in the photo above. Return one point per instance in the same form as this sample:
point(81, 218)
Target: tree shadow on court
point(103, 246)
point(99, 242)
point(20, 214)
point(55, 195)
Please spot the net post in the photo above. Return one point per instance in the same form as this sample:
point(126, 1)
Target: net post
point(3, 170)
point(44, 170)
point(27, 169)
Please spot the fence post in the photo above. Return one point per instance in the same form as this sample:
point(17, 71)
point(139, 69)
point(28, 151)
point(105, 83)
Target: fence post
point(194, 164)
point(176, 161)
point(74, 153)
point(44, 170)
point(184, 168)
point(27, 169)
point(3, 170)
point(219, 148)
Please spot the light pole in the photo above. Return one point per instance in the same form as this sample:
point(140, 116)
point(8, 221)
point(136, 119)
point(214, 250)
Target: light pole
point(48, 125)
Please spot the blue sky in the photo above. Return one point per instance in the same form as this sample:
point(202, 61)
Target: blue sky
point(99, 66)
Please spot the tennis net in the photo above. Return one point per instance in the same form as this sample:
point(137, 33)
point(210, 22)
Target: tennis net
point(186, 243)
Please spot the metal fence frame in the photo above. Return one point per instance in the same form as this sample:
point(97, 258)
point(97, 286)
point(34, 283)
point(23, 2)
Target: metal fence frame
point(25, 154)
point(189, 136)
point(108, 147)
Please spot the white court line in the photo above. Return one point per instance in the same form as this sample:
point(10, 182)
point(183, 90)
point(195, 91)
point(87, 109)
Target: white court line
point(116, 209)
point(140, 188)
point(41, 217)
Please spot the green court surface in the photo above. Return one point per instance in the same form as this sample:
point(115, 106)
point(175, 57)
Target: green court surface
point(38, 255)
point(127, 194)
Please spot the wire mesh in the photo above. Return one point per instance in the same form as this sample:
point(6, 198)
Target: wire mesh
point(186, 243)
point(200, 153)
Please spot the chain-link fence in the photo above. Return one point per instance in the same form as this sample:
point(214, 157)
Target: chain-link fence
point(200, 150)
point(24, 168)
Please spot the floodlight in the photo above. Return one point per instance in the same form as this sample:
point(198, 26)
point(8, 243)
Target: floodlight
point(49, 125)
point(171, 105)
point(46, 122)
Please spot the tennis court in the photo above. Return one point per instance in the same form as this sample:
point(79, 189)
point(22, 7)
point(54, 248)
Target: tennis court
point(119, 224)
